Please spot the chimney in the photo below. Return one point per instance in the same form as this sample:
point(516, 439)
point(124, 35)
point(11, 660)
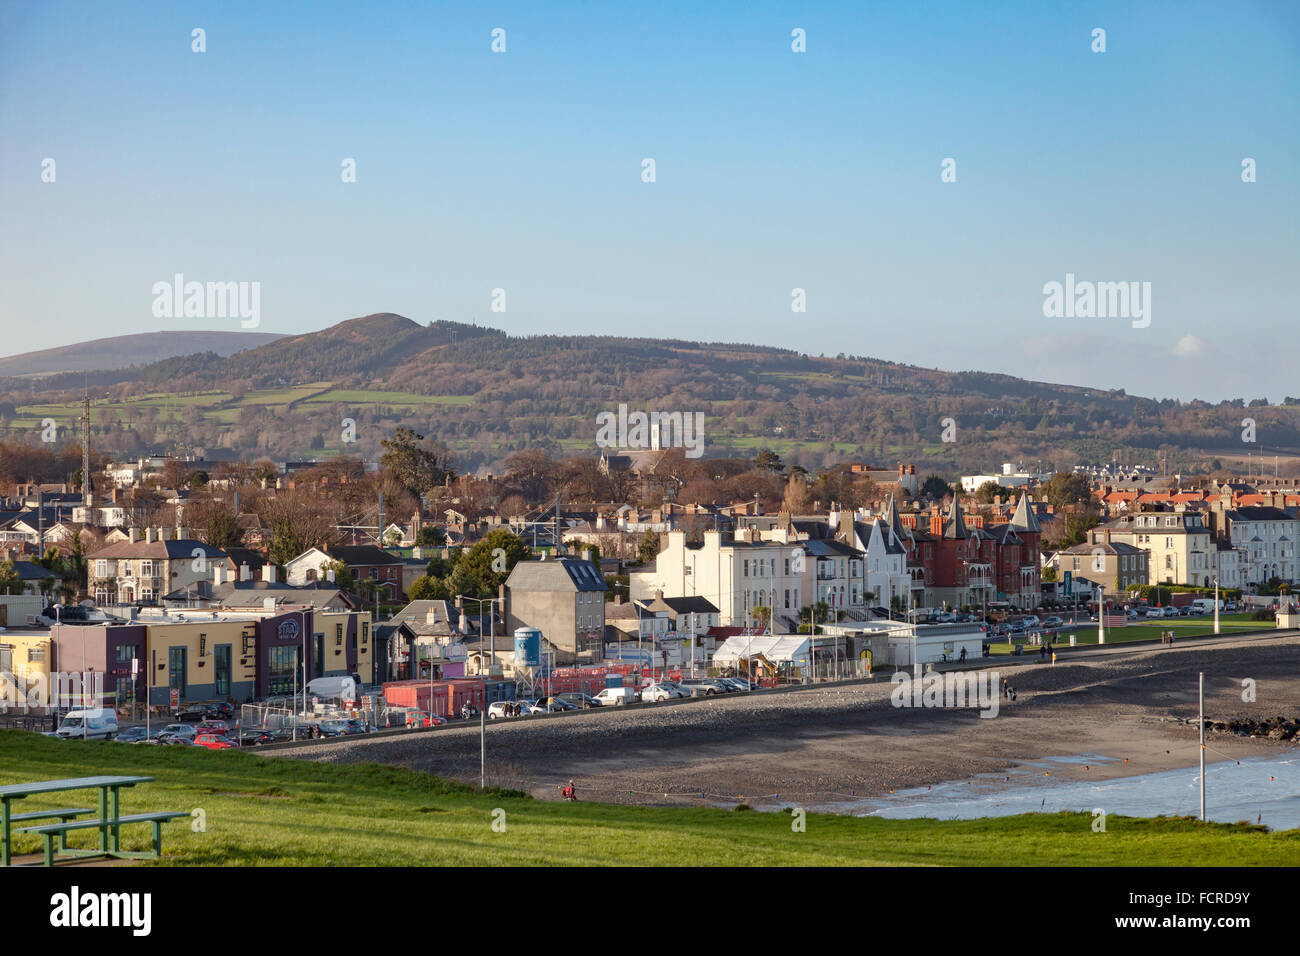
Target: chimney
point(268, 573)
point(218, 575)
point(464, 622)
point(182, 532)
point(148, 536)
point(164, 534)
point(586, 554)
point(268, 605)
point(329, 575)
point(133, 535)
point(244, 573)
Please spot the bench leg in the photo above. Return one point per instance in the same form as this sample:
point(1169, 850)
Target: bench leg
point(4, 831)
point(49, 848)
point(157, 839)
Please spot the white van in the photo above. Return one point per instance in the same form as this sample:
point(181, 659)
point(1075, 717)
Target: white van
point(616, 696)
point(1206, 605)
point(343, 687)
point(99, 725)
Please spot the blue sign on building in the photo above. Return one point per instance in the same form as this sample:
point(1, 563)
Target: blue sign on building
point(288, 630)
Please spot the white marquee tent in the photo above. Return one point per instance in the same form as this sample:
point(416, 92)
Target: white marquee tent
point(779, 649)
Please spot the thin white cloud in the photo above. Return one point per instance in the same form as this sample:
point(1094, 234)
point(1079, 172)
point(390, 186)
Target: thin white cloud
point(1189, 346)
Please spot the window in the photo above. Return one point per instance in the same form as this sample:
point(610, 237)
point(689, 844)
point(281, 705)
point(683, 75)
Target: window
point(338, 635)
point(101, 569)
point(176, 669)
point(146, 569)
point(745, 570)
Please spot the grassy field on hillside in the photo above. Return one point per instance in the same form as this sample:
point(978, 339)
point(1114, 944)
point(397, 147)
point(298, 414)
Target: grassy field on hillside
point(279, 811)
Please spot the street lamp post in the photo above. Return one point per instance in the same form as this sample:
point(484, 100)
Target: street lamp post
point(1216, 605)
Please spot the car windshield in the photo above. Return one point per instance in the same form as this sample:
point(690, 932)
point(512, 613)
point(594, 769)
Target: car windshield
point(71, 721)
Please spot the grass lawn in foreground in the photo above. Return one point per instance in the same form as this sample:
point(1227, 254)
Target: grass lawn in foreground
point(279, 811)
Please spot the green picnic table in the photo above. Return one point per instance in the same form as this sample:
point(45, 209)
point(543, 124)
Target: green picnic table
point(109, 845)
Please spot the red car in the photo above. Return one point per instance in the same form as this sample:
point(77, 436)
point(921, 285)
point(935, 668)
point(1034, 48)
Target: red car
point(418, 718)
point(218, 727)
point(213, 742)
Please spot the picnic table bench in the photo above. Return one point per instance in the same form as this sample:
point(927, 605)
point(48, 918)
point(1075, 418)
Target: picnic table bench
point(108, 820)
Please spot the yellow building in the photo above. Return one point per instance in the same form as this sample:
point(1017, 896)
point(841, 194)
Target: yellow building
point(24, 671)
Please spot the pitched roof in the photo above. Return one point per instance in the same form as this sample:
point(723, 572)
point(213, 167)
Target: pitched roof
point(956, 525)
point(362, 554)
point(1024, 519)
point(555, 574)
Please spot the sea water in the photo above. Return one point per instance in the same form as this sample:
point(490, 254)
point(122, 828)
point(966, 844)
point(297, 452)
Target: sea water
point(1254, 790)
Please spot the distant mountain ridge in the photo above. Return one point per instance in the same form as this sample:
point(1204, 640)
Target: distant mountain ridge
point(121, 351)
point(486, 394)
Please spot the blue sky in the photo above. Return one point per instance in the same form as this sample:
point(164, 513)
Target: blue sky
point(775, 170)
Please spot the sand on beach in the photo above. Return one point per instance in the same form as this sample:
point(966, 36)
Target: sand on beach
point(846, 742)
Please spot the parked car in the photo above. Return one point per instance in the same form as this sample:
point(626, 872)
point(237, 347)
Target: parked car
point(183, 731)
point(664, 690)
point(256, 738)
point(218, 710)
point(581, 701)
point(705, 686)
point(497, 708)
point(1186, 611)
point(1169, 611)
point(219, 727)
point(1230, 606)
point(356, 725)
point(1053, 620)
point(191, 712)
point(554, 705)
point(1031, 620)
point(616, 696)
point(742, 683)
point(214, 742)
point(418, 718)
point(132, 735)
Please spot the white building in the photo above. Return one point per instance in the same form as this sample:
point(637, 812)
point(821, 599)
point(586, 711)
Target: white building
point(736, 576)
point(1013, 476)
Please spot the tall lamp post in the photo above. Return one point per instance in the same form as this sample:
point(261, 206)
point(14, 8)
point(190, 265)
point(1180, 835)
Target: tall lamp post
point(1216, 615)
point(482, 714)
